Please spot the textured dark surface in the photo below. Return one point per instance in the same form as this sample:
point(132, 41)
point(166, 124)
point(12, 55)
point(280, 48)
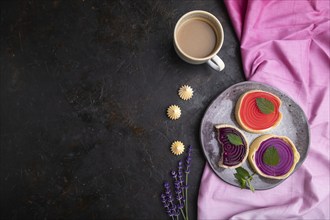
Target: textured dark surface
point(84, 90)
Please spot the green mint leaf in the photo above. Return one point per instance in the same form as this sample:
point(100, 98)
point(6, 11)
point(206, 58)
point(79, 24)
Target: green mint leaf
point(243, 172)
point(241, 180)
point(271, 156)
point(243, 183)
point(234, 139)
point(265, 106)
point(238, 176)
point(243, 177)
point(250, 186)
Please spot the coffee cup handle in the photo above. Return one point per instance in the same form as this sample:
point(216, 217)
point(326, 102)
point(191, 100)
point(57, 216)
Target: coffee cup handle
point(216, 63)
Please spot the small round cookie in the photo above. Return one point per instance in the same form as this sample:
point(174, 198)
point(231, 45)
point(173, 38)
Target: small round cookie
point(233, 146)
point(185, 92)
point(173, 112)
point(258, 111)
point(177, 147)
point(273, 156)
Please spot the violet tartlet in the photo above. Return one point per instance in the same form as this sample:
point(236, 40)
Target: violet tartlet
point(233, 146)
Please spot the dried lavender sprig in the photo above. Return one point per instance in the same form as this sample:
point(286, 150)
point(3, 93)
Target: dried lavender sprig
point(180, 175)
point(180, 199)
point(188, 160)
point(168, 199)
point(166, 204)
point(173, 208)
point(187, 171)
point(178, 189)
point(174, 175)
point(175, 211)
point(179, 185)
point(179, 193)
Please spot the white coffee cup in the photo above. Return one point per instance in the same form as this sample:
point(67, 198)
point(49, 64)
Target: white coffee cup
point(198, 38)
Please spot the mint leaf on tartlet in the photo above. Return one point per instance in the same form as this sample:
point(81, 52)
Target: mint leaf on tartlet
point(265, 106)
point(234, 139)
point(271, 156)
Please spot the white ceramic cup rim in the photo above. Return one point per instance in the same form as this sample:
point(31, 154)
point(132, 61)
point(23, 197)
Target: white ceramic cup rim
point(219, 26)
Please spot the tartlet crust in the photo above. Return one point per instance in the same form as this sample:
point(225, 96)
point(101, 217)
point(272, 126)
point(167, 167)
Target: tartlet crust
point(245, 127)
point(255, 146)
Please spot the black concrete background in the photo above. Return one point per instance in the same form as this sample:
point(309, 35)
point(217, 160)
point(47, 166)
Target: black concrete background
point(84, 91)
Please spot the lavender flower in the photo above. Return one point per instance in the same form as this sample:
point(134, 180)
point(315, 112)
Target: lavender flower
point(187, 171)
point(180, 173)
point(167, 201)
point(168, 192)
point(175, 210)
point(180, 180)
point(188, 160)
point(174, 174)
point(179, 194)
point(178, 189)
point(174, 204)
point(166, 204)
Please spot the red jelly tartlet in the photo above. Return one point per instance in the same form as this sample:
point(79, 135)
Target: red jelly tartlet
point(258, 111)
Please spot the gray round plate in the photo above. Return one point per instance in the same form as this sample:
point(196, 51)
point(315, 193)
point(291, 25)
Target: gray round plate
point(222, 111)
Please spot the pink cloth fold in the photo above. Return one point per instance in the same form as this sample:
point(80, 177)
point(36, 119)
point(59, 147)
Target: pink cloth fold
point(285, 44)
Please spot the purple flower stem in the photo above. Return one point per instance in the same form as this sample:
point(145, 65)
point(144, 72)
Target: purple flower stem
point(188, 162)
point(186, 194)
point(183, 215)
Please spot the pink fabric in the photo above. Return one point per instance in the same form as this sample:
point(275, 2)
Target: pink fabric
point(285, 44)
